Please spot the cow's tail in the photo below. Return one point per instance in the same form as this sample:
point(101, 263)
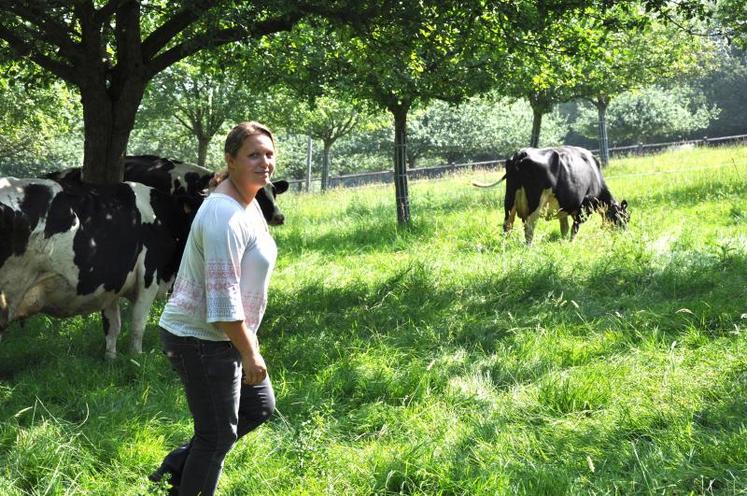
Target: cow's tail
point(481, 185)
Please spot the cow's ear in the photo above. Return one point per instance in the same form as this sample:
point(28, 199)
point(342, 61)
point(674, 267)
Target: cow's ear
point(624, 204)
point(281, 186)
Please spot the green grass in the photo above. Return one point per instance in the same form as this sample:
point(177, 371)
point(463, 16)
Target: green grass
point(443, 359)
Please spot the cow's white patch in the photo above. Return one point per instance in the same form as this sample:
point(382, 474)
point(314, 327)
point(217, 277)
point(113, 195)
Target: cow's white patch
point(142, 201)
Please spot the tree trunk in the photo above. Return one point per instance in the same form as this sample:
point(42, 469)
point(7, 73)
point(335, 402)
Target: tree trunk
point(202, 148)
point(537, 114)
point(325, 165)
point(400, 164)
point(108, 116)
point(602, 103)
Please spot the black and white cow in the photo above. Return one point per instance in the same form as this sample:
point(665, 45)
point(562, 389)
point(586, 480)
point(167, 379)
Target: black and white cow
point(176, 177)
point(557, 183)
point(72, 249)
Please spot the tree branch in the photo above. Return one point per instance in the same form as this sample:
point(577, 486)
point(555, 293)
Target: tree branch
point(108, 10)
point(49, 30)
point(168, 30)
point(23, 47)
point(225, 36)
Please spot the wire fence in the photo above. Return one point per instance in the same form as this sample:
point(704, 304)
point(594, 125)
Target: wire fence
point(383, 177)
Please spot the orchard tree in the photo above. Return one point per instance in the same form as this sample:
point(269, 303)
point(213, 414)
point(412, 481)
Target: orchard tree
point(328, 119)
point(638, 52)
point(543, 72)
point(110, 50)
point(434, 50)
point(650, 113)
point(201, 95)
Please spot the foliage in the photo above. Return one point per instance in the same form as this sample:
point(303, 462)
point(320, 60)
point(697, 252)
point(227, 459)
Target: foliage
point(110, 51)
point(441, 360)
point(478, 129)
point(650, 114)
point(40, 128)
point(725, 87)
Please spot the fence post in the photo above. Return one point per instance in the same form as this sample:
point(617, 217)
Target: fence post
point(705, 140)
point(309, 145)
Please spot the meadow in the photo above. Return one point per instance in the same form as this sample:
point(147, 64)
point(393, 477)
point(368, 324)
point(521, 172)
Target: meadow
point(443, 359)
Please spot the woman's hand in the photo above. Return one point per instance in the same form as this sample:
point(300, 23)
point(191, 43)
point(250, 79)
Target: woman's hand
point(254, 367)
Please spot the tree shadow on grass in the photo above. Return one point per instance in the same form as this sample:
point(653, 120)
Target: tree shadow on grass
point(420, 320)
point(375, 230)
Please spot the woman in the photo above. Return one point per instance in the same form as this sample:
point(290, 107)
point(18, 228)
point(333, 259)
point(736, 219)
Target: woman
point(209, 325)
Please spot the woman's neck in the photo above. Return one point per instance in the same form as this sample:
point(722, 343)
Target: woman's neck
point(237, 193)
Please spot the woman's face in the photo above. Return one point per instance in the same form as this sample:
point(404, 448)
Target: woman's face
point(252, 166)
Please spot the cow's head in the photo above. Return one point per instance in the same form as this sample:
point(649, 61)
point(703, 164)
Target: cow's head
point(618, 214)
point(266, 199)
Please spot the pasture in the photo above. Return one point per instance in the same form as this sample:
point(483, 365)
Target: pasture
point(444, 359)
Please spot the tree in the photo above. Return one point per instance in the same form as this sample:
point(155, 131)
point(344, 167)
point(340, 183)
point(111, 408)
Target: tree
point(435, 49)
point(543, 72)
point(726, 87)
point(328, 119)
point(481, 128)
point(638, 52)
point(651, 113)
point(111, 52)
point(201, 96)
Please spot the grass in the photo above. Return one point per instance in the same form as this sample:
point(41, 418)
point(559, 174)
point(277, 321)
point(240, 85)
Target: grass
point(443, 359)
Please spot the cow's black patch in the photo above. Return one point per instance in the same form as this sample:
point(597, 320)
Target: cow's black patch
point(106, 244)
point(35, 203)
point(61, 217)
point(16, 225)
point(14, 233)
point(166, 238)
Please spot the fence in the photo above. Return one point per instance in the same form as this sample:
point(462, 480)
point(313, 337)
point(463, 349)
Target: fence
point(352, 180)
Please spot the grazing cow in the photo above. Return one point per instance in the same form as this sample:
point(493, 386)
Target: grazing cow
point(176, 177)
point(557, 183)
point(71, 249)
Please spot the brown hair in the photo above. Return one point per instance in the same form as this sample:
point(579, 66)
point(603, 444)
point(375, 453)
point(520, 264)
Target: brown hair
point(234, 140)
point(241, 131)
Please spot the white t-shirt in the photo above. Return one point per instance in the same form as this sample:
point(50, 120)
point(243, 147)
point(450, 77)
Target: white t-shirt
point(224, 272)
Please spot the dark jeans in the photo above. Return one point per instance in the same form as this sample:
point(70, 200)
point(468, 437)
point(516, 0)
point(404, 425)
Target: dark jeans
point(224, 409)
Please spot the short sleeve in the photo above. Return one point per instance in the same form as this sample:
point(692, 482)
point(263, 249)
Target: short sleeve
point(224, 243)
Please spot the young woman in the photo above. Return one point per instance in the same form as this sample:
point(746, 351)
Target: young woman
point(209, 325)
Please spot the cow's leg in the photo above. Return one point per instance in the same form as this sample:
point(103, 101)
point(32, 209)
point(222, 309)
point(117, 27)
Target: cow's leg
point(563, 226)
point(140, 311)
point(112, 321)
point(508, 222)
point(509, 207)
point(577, 220)
point(529, 224)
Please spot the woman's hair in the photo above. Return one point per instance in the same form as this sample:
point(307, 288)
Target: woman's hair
point(234, 140)
point(241, 131)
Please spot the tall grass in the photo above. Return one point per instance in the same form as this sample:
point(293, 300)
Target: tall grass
point(443, 359)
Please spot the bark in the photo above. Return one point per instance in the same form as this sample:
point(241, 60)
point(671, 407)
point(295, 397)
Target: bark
point(536, 127)
point(202, 149)
point(108, 120)
point(402, 196)
point(325, 164)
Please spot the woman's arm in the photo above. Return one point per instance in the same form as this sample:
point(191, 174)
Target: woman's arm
point(246, 342)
